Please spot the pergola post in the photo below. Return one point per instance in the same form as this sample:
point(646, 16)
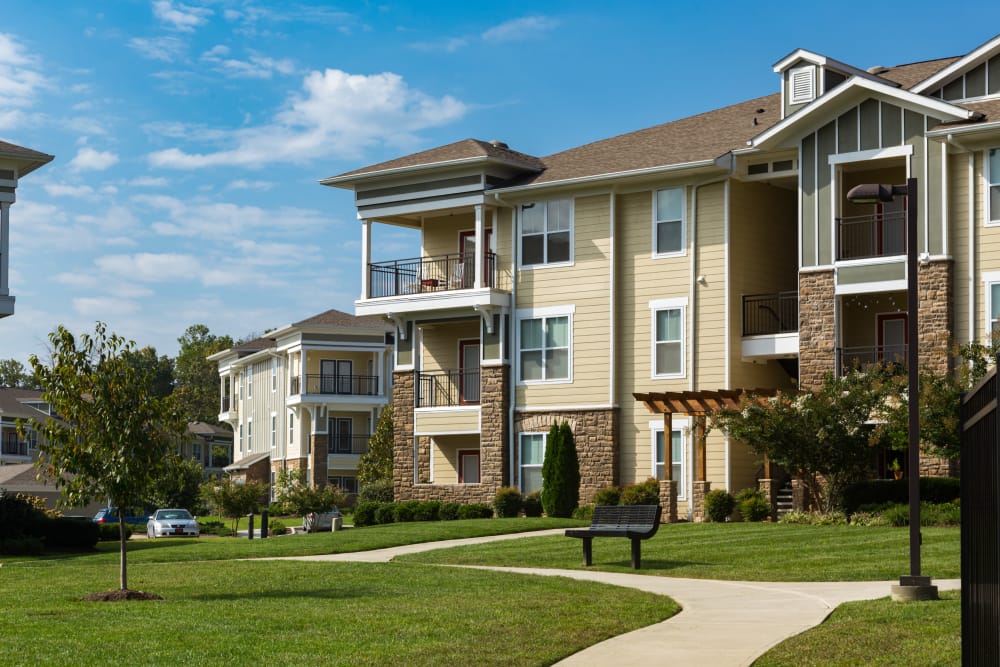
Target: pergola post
point(668, 485)
point(769, 488)
point(700, 486)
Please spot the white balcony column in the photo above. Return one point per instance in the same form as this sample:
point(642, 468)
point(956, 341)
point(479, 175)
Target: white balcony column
point(480, 250)
point(4, 247)
point(380, 370)
point(366, 257)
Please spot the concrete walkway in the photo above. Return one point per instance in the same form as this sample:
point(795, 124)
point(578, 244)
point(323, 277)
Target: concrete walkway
point(722, 623)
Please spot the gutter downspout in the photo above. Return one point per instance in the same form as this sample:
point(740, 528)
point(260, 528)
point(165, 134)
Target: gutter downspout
point(972, 233)
point(612, 367)
point(510, 332)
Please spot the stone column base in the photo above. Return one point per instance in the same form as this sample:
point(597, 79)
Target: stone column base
point(913, 589)
point(698, 492)
point(770, 491)
point(800, 496)
point(668, 501)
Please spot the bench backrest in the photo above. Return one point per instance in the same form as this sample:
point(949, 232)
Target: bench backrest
point(637, 518)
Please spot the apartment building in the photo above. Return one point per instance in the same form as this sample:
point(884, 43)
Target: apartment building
point(306, 397)
point(629, 284)
point(15, 163)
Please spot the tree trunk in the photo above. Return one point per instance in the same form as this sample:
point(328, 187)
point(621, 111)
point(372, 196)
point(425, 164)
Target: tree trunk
point(123, 570)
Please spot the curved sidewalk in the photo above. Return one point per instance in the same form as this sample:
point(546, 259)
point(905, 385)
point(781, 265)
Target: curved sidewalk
point(721, 623)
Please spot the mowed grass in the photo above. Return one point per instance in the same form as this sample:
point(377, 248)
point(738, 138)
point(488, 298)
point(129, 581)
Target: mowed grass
point(733, 551)
point(878, 632)
point(307, 613)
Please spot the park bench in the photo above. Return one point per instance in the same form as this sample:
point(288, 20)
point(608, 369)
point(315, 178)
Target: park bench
point(635, 522)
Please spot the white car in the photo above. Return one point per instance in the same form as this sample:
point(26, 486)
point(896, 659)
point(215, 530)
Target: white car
point(172, 523)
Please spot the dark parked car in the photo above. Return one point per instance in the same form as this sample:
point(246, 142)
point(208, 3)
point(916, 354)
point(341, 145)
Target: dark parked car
point(133, 515)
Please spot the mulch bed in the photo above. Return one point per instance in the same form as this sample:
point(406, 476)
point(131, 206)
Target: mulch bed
point(119, 595)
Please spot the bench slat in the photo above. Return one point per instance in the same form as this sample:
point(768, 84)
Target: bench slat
point(635, 522)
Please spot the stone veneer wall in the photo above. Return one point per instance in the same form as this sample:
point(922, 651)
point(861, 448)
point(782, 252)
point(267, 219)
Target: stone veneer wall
point(595, 434)
point(320, 457)
point(494, 464)
point(817, 324)
point(934, 290)
point(698, 492)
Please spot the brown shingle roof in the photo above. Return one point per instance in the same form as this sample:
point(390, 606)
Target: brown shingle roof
point(32, 159)
point(339, 318)
point(460, 150)
point(910, 75)
point(11, 402)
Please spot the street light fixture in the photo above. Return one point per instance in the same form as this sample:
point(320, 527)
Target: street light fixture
point(915, 586)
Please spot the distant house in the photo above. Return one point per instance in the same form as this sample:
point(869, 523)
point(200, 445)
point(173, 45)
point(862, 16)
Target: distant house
point(619, 285)
point(211, 445)
point(306, 397)
point(15, 162)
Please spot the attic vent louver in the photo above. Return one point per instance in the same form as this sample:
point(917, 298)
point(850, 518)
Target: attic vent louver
point(802, 84)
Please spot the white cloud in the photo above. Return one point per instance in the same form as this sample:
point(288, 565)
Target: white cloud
point(224, 221)
point(151, 267)
point(255, 67)
point(64, 190)
point(148, 182)
point(92, 160)
point(183, 18)
point(336, 113)
point(520, 29)
point(166, 49)
point(103, 307)
point(20, 80)
point(448, 45)
point(241, 184)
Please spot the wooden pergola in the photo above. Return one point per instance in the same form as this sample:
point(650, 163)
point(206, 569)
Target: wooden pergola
point(698, 405)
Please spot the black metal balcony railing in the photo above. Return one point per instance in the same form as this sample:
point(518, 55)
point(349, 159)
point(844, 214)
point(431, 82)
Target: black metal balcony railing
point(348, 444)
point(356, 385)
point(860, 358)
point(448, 388)
point(865, 236)
point(14, 446)
point(767, 314)
point(440, 273)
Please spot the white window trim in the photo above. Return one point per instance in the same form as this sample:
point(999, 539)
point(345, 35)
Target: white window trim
point(539, 313)
point(274, 375)
point(249, 381)
point(806, 70)
point(992, 217)
point(520, 451)
point(656, 305)
point(291, 427)
point(274, 430)
point(682, 424)
point(990, 278)
point(250, 434)
point(673, 253)
point(572, 236)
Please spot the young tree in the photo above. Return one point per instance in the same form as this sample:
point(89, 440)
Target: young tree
point(231, 499)
point(13, 374)
point(180, 486)
point(560, 472)
point(197, 378)
point(114, 436)
point(299, 499)
point(160, 368)
point(375, 465)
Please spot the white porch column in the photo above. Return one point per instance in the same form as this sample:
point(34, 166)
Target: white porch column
point(480, 250)
point(4, 247)
point(366, 257)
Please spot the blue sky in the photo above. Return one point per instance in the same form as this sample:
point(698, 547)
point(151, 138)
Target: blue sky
point(189, 136)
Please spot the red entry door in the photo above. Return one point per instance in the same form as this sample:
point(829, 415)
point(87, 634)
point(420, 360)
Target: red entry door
point(892, 338)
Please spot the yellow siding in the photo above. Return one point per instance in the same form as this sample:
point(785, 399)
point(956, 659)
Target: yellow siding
point(584, 285)
point(988, 247)
point(958, 243)
point(445, 456)
point(441, 234)
point(710, 307)
point(459, 420)
point(359, 361)
point(440, 343)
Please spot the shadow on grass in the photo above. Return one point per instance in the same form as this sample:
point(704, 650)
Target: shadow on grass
point(651, 566)
point(278, 594)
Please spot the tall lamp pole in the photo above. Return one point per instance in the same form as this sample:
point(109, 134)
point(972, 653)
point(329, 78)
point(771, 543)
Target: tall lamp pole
point(913, 586)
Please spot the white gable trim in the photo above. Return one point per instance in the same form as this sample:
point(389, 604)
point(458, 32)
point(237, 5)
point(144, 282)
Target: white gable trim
point(959, 66)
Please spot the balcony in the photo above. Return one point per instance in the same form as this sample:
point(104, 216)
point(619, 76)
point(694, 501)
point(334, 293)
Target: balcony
point(421, 275)
point(348, 444)
point(448, 388)
point(342, 385)
point(770, 314)
point(890, 357)
point(14, 446)
point(869, 236)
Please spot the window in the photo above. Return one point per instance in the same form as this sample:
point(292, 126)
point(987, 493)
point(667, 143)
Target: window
point(348, 484)
point(274, 375)
point(239, 440)
point(274, 430)
point(677, 458)
point(993, 177)
point(250, 382)
point(468, 466)
point(544, 346)
point(291, 428)
point(249, 435)
point(546, 233)
point(196, 451)
point(801, 82)
point(532, 455)
point(668, 221)
point(668, 337)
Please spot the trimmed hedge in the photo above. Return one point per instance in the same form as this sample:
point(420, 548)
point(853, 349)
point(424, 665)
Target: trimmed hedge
point(935, 490)
point(719, 504)
point(371, 513)
point(507, 502)
point(68, 534)
point(533, 504)
point(643, 493)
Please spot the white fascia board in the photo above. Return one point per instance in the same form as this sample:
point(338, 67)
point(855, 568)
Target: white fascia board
point(851, 88)
point(425, 206)
point(964, 129)
point(699, 165)
point(341, 181)
point(958, 66)
point(434, 302)
point(823, 61)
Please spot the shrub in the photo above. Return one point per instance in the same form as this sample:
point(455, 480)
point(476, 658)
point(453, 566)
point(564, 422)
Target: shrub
point(533, 504)
point(931, 514)
point(814, 518)
point(22, 546)
point(215, 528)
point(404, 512)
point(560, 472)
point(429, 510)
point(719, 504)
point(584, 512)
point(379, 491)
point(752, 504)
point(867, 519)
point(385, 513)
point(879, 491)
point(109, 532)
point(71, 534)
point(475, 511)
point(364, 513)
point(277, 527)
point(507, 502)
point(643, 493)
point(609, 495)
point(448, 511)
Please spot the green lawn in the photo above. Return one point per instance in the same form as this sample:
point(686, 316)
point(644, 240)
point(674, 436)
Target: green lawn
point(735, 551)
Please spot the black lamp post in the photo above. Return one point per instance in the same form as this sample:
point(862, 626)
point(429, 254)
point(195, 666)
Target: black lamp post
point(914, 586)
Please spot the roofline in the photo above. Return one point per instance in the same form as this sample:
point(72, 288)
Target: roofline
point(945, 108)
point(823, 61)
point(940, 75)
point(608, 176)
point(964, 129)
point(336, 181)
point(31, 162)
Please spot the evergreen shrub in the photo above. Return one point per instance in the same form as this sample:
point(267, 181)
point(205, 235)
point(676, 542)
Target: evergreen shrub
point(719, 504)
point(507, 502)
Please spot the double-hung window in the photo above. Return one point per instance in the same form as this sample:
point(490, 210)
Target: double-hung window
point(993, 178)
point(991, 281)
point(678, 450)
point(668, 337)
point(274, 375)
point(291, 428)
point(544, 345)
point(547, 233)
point(532, 455)
point(274, 430)
point(249, 381)
point(668, 222)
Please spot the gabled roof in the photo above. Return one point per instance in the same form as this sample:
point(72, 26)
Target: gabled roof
point(243, 464)
point(29, 160)
point(460, 152)
point(340, 319)
point(822, 61)
point(12, 402)
point(909, 75)
point(206, 429)
point(967, 61)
